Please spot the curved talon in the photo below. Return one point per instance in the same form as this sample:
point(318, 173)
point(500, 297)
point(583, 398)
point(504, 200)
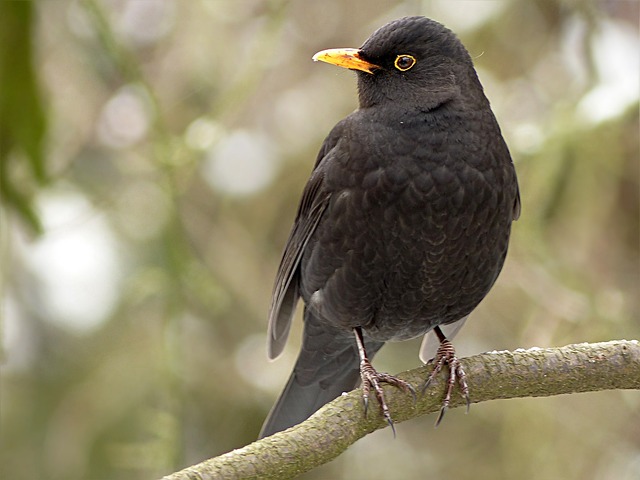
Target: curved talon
point(446, 354)
point(393, 428)
point(443, 410)
point(426, 385)
point(413, 393)
point(371, 379)
point(365, 401)
point(433, 375)
point(464, 388)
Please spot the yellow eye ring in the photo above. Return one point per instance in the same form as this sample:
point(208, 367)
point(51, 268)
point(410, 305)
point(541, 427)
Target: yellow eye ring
point(404, 62)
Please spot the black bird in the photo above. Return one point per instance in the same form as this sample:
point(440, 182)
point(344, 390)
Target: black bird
point(402, 228)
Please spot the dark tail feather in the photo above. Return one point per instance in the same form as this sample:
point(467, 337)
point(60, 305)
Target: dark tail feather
point(328, 365)
point(298, 402)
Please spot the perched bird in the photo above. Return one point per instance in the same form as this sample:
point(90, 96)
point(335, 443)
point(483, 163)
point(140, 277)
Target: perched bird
point(402, 228)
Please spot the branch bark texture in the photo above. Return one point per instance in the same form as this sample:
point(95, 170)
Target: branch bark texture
point(536, 372)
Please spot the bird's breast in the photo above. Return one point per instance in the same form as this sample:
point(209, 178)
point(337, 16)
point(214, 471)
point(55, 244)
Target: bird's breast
point(414, 235)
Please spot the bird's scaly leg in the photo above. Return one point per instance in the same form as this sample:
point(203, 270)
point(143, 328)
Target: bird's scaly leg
point(446, 354)
point(371, 378)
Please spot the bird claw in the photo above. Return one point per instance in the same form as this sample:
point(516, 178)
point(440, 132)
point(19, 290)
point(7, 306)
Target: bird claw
point(365, 398)
point(443, 410)
point(393, 428)
point(372, 379)
point(446, 354)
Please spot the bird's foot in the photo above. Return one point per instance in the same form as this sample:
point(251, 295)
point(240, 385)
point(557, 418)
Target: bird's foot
point(446, 354)
point(372, 379)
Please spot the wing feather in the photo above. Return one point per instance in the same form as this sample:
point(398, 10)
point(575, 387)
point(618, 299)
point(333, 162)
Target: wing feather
point(314, 202)
point(285, 291)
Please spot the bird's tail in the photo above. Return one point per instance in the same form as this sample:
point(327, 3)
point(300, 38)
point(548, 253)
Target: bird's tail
point(328, 365)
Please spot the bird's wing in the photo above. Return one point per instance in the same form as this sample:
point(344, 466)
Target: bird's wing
point(516, 204)
point(285, 291)
point(430, 342)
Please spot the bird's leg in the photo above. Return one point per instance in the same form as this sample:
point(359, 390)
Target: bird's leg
point(446, 354)
point(371, 378)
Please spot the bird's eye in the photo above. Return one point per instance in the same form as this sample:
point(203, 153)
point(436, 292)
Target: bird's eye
point(404, 62)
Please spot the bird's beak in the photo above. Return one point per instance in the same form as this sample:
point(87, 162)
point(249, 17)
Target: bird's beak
point(345, 57)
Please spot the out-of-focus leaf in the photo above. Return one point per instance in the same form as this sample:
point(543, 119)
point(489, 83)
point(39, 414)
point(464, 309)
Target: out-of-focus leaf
point(22, 116)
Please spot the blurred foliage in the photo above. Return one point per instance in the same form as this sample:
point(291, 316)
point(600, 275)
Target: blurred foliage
point(22, 113)
point(179, 136)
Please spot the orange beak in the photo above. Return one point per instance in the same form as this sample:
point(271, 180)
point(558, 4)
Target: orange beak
point(345, 58)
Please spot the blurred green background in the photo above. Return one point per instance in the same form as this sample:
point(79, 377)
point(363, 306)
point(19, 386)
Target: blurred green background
point(152, 154)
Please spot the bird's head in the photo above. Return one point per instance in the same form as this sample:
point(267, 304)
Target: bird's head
point(410, 62)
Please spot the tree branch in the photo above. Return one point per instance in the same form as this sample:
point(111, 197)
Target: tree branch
point(535, 372)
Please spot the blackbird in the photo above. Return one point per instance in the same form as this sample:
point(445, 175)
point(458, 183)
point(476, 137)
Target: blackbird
point(402, 228)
